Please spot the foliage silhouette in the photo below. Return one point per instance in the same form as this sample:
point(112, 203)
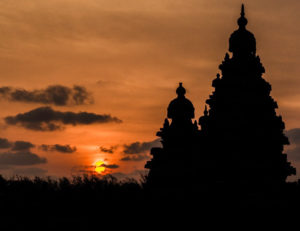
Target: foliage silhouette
point(83, 195)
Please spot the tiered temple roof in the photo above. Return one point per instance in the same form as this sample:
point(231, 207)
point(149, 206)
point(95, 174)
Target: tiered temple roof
point(241, 140)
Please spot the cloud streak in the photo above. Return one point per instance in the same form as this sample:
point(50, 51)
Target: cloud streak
point(47, 119)
point(110, 166)
point(30, 171)
point(56, 94)
point(59, 148)
point(22, 146)
point(4, 143)
point(18, 145)
point(140, 147)
point(294, 138)
point(109, 150)
point(21, 158)
point(19, 154)
point(135, 158)
point(137, 151)
point(90, 169)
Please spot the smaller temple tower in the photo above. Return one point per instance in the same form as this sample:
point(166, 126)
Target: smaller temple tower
point(170, 165)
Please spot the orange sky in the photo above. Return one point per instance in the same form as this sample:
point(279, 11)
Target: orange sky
point(131, 55)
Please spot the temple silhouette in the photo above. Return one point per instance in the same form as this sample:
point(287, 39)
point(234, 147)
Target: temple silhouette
point(241, 140)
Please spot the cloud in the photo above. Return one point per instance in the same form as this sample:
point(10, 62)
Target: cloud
point(109, 150)
point(56, 94)
point(22, 146)
point(293, 135)
point(59, 148)
point(293, 152)
point(135, 158)
point(4, 143)
point(111, 166)
point(19, 154)
point(47, 119)
point(140, 147)
point(21, 158)
point(90, 169)
point(137, 151)
point(15, 146)
point(83, 169)
point(30, 171)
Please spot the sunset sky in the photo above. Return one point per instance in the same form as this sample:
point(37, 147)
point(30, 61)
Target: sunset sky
point(116, 65)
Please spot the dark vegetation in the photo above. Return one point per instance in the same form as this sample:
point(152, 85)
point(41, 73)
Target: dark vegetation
point(86, 194)
point(78, 194)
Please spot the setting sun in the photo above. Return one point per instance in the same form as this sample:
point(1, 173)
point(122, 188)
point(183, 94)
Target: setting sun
point(99, 167)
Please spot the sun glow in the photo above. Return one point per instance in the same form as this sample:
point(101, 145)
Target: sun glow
point(99, 166)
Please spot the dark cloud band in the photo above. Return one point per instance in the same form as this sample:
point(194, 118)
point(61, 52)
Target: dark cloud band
point(294, 138)
point(111, 166)
point(22, 146)
point(137, 151)
point(19, 154)
point(140, 147)
point(59, 148)
point(20, 158)
point(135, 158)
point(109, 150)
point(57, 95)
point(30, 172)
point(15, 146)
point(47, 119)
point(4, 143)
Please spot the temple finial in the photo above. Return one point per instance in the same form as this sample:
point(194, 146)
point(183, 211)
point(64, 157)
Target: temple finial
point(243, 11)
point(242, 21)
point(180, 90)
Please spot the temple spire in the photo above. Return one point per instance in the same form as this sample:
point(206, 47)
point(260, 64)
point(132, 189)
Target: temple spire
point(242, 21)
point(243, 11)
point(180, 90)
point(242, 42)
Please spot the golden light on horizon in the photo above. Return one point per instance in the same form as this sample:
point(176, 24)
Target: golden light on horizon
point(99, 167)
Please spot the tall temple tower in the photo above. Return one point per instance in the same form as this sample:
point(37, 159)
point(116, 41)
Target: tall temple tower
point(244, 134)
point(241, 140)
